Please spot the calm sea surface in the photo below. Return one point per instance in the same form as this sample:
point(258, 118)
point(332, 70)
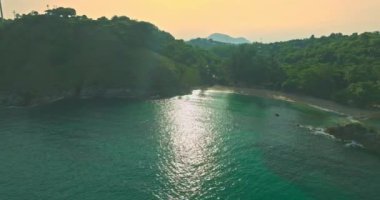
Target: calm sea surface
point(208, 145)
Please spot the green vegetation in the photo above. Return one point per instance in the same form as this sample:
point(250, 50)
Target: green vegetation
point(61, 54)
point(342, 68)
point(206, 43)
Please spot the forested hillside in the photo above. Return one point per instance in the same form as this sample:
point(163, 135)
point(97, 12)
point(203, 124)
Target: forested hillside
point(342, 68)
point(206, 43)
point(59, 54)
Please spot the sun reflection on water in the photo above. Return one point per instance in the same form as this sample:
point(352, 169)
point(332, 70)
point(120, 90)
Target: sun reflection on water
point(187, 148)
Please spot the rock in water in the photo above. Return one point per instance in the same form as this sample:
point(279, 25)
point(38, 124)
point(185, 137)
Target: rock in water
point(368, 137)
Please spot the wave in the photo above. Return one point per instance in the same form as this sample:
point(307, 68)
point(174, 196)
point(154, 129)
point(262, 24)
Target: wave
point(283, 98)
point(322, 132)
point(326, 109)
point(317, 131)
point(351, 119)
point(354, 144)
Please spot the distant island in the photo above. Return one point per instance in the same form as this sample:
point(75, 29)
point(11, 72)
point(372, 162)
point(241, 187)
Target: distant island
point(219, 37)
point(59, 54)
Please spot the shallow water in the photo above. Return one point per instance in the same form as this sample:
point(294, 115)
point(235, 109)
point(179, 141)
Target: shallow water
point(208, 145)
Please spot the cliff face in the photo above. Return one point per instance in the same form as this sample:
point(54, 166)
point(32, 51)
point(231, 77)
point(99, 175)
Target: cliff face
point(368, 137)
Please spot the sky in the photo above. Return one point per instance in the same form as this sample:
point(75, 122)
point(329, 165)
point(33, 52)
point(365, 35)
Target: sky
point(257, 20)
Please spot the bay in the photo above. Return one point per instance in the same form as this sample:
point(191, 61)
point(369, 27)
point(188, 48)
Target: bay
point(207, 145)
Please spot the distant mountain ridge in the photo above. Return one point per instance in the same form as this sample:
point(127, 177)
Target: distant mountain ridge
point(219, 37)
point(205, 43)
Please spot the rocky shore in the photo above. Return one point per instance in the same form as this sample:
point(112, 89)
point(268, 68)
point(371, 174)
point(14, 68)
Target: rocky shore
point(357, 133)
point(322, 104)
point(353, 134)
point(29, 99)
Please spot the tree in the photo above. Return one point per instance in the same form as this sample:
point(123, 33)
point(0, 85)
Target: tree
point(61, 12)
point(61, 53)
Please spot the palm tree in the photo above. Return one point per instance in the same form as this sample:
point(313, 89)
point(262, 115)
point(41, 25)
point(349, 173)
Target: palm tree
point(1, 11)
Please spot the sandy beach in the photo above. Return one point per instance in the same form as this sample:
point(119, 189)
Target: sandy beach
point(330, 106)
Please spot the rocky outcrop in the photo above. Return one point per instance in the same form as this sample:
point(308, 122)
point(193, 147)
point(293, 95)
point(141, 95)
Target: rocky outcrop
point(28, 99)
point(359, 133)
point(22, 99)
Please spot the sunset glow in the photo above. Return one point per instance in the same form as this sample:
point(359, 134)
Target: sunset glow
point(269, 20)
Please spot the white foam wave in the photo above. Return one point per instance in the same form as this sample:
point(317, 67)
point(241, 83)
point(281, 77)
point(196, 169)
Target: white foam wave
point(326, 109)
point(317, 131)
point(322, 131)
point(352, 119)
point(283, 98)
point(354, 144)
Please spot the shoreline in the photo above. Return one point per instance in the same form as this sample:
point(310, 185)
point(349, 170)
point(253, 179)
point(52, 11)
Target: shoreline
point(321, 104)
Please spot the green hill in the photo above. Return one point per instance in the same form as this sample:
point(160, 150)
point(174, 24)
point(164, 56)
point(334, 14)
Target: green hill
point(59, 55)
point(343, 68)
point(205, 43)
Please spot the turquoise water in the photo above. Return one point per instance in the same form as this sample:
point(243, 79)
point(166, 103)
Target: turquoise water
point(208, 145)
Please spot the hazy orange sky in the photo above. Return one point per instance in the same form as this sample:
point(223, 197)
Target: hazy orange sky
point(266, 20)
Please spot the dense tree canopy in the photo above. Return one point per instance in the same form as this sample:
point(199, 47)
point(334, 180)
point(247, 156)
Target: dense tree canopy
point(338, 67)
point(60, 52)
point(61, 12)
